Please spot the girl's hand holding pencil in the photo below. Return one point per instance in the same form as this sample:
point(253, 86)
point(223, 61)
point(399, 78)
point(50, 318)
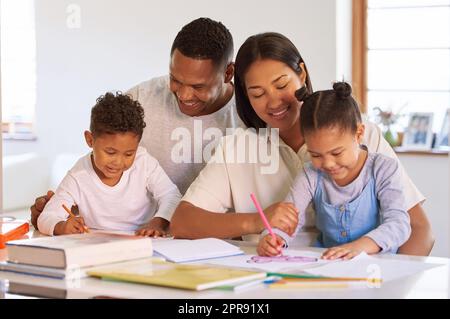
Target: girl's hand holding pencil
point(270, 246)
point(284, 214)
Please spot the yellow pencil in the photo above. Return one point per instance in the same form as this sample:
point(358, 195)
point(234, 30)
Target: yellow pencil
point(293, 280)
point(72, 215)
point(309, 285)
point(296, 283)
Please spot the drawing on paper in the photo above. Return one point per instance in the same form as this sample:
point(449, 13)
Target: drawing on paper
point(282, 258)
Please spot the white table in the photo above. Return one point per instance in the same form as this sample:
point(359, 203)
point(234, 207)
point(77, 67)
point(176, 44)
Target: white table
point(432, 283)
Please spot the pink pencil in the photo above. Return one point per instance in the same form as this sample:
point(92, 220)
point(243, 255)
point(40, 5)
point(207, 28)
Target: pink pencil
point(263, 217)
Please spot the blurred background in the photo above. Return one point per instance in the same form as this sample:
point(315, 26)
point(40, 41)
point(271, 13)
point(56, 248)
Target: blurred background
point(58, 56)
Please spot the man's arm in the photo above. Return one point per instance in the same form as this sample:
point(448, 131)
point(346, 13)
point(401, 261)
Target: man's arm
point(421, 240)
point(38, 207)
point(192, 222)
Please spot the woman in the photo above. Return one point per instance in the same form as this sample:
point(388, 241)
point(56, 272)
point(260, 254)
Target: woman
point(269, 70)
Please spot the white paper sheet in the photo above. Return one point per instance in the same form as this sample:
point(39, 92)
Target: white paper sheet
point(242, 261)
point(184, 250)
point(365, 266)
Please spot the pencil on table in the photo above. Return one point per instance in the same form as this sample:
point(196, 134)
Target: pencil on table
point(319, 279)
point(72, 215)
point(325, 282)
point(309, 285)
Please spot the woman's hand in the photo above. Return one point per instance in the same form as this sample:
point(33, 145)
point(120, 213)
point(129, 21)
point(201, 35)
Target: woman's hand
point(283, 216)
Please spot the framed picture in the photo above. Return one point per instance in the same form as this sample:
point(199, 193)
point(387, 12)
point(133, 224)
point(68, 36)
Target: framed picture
point(442, 138)
point(419, 134)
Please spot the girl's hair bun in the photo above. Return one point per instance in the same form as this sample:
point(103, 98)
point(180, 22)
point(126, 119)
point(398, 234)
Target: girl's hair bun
point(342, 89)
point(301, 93)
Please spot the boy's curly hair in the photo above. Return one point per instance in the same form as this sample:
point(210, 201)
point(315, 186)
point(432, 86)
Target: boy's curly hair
point(117, 113)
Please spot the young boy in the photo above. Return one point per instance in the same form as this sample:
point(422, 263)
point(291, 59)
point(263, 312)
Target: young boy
point(117, 186)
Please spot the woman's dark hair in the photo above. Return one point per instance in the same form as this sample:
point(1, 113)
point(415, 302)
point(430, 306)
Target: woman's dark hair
point(330, 108)
point(117, 114)
point(269, 45)
point(203, 39)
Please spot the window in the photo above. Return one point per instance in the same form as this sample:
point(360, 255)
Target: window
point(408, 57)
point(18, 65)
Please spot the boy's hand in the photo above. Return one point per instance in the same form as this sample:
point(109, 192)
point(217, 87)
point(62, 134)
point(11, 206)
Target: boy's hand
point(353, 249)
point(268, 246)
point(157, 227)
point(74, 225)
point(283, 216)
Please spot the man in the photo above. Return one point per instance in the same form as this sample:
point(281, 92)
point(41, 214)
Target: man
point(195, 98)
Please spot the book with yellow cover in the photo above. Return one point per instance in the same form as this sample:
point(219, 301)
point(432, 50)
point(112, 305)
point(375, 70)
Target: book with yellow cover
point(163, 273)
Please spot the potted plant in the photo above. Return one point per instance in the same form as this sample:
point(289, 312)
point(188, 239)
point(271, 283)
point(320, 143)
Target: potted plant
point(387, 119)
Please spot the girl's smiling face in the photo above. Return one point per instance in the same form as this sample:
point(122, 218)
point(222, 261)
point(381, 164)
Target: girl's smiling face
point(337, 152)
point(271, 86)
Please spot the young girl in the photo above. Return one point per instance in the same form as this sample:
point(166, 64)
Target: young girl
point(117, 186)
point(357, 195)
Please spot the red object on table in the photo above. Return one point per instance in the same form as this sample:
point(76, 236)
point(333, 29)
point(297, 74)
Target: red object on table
point(11, 229)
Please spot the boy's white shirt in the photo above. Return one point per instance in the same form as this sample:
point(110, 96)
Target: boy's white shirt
point(144, 191)
point(226, 187)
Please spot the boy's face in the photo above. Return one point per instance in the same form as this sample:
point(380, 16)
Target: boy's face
point(112, 154)
point(336, 152)
point(197, 84)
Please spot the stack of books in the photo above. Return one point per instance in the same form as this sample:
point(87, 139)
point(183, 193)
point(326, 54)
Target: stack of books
point(126, 258)
point(70, 256)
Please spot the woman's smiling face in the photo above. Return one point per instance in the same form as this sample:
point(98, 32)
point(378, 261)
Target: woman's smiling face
point(271, 87)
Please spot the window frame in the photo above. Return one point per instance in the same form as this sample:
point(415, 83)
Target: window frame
point(359, 52)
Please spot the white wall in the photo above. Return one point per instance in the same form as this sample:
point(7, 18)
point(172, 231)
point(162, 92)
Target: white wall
point(121, 43)
point(430, 174)
point(344, 40)
point(1, 138)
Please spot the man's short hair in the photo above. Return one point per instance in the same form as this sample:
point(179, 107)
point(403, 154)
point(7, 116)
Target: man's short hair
point(205, 39)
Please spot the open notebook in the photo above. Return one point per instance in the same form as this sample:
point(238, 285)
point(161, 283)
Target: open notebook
point(185, 250)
